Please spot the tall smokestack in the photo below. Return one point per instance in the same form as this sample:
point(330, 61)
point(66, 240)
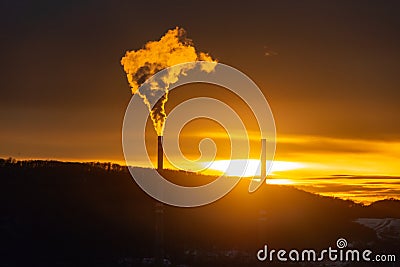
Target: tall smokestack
point(263, 158)
point(160, 153)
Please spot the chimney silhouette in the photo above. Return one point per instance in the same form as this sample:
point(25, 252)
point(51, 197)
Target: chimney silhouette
point(160, 153)
point(263, 158)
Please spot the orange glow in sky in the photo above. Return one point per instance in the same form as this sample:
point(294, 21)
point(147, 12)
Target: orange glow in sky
point(361, 170)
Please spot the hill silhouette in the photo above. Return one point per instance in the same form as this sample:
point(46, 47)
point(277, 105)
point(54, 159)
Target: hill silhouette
point(94, 214)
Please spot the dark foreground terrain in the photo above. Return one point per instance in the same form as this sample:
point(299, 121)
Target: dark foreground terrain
point(90, 214)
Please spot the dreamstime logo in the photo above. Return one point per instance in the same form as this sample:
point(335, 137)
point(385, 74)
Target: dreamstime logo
point(137, 113)
point(341, 253)
point(341, 243)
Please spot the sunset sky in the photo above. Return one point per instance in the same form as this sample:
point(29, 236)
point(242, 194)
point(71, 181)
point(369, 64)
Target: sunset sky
point(329, 69)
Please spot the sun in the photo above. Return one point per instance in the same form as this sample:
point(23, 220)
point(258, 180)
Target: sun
point(249, 168)
point(279, 181)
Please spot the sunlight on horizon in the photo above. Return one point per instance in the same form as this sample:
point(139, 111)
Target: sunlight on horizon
point(280, 181)
point(249, 168)
point(361, 170)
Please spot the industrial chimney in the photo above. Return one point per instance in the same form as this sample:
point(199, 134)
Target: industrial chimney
point(159, 210)
point(263, 158)
point(160, 153)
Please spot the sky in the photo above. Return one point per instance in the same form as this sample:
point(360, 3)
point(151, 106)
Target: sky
point(329, 69)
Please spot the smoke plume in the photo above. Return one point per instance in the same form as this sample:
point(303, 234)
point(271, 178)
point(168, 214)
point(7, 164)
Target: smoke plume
point(172, 49)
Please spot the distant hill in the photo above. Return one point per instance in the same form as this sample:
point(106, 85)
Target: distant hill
point(386, 208)
point(87, 214)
